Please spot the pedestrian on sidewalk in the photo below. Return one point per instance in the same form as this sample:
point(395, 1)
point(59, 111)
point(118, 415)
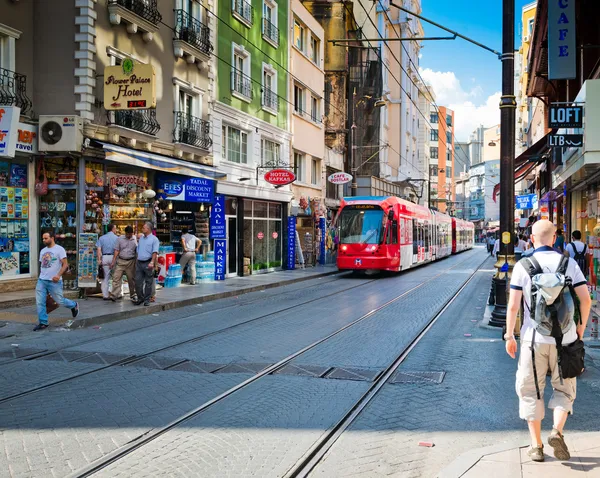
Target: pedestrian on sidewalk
point(191, 245)
point(559, 243)
point(53, 264)
point(124, 263)
point(106, 250)
point(147, 254)
point(537, 359)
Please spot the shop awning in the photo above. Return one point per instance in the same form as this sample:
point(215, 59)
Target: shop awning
point(158, 162)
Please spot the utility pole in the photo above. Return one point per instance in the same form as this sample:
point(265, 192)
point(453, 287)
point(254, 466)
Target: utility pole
point(508, 107)
point(354, 186)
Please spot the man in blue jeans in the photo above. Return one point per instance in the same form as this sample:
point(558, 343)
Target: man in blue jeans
point(53, 264)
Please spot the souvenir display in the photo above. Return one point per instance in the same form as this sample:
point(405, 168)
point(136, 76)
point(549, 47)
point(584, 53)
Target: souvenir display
point(129, 201)
point(87, 266)
point(9, 264)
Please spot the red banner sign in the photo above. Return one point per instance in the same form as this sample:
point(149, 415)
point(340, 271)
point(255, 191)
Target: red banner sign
point(280, 177)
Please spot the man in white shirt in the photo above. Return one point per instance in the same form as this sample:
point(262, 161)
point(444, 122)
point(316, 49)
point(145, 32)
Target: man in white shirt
point(53, 264)
point(191, 246)
point(546, 357)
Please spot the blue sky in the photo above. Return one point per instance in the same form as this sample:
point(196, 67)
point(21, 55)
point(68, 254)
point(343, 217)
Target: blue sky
point(476, 71)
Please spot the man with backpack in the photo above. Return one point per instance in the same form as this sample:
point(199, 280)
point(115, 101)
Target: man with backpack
point(578, 251)
point(545, 283)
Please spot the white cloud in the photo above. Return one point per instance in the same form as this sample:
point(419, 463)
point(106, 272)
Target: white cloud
point(469, 106)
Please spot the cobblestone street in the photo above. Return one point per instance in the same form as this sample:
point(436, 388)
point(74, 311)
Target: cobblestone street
point(260, 384)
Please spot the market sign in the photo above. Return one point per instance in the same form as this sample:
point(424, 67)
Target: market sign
point(339, 178)
point(562, 51)
point(291, 243)
point(526, 201)
point(279, 177)
point(9, 123)
point(217, 219)
point(565, 140)
point(178, 188)
point(565, 116)
point(220, 253)
point(129, 86)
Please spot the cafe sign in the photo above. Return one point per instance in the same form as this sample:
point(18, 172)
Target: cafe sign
point(339, 178)
point(562, 50)
point(129, 86)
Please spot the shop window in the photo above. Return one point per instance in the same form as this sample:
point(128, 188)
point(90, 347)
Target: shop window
point(274, 211)
point(14, 220)
point(262, 236)
point(299, 163)
point(260, 209)
point(235, 145)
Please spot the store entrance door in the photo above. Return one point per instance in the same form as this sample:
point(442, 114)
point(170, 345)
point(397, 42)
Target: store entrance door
point(232, 241)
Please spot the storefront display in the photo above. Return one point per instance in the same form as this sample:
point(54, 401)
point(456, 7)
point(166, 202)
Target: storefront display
point(262, 235)
point(87, 267)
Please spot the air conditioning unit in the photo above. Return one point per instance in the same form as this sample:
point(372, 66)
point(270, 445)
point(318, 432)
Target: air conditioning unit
point(60, 133)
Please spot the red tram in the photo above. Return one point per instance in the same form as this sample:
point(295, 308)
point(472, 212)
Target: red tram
point(391, 234)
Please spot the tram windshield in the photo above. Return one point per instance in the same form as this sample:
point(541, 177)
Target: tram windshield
point(360, 226)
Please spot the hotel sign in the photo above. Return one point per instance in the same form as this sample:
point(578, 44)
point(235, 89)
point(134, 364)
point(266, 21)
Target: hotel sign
point(562, 50)
point(129, 86)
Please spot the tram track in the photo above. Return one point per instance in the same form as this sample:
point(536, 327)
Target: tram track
point(320, 448)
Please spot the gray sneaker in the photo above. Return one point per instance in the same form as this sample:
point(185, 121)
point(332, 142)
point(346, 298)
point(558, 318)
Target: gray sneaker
point(536, 453)
point(557, 441)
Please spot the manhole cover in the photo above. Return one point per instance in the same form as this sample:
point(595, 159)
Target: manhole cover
point(303, 370)
point(360, 374)
point(418, 377)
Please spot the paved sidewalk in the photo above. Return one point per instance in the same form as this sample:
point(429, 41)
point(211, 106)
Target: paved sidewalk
point(510, 460)
point(95, 311)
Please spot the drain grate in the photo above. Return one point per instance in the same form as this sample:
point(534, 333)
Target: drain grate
point(358, 374)
point(418, 377)
point(17, 352)
point(315, 371)
point(65, 356)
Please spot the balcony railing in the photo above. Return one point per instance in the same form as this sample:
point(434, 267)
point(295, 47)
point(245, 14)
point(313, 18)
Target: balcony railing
point(143, 121)
point(13, 90)
point(191, 130)
point(244, 10)
point(193, 32)
point(241, 84)
point(147, 9)
point(270, 99)
point(270, 32)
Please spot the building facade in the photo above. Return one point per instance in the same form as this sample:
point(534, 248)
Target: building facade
point(442, 152)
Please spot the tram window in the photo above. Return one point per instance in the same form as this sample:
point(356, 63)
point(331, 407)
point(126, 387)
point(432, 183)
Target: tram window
point(415, 238)
point(388, 234)
point(426, 236)
point(394, 229)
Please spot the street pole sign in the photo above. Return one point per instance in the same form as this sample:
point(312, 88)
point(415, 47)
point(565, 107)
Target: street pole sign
point(565, 140)
point(506, 237)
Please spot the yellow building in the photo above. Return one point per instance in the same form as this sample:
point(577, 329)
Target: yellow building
point(524, 104)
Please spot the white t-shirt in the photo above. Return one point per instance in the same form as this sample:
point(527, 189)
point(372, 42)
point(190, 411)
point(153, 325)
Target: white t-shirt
point(190, 242)
point(548, 260)
point(50, 261)
point(578, 245)
point(522, 244)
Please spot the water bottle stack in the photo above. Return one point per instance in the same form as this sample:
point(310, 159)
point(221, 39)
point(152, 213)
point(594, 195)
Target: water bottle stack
point(174, 277)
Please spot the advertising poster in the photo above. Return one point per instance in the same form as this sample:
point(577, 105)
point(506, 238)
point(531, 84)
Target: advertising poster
point(87, 269)
point(18, 176)
point(4, 173)
point(9, 264)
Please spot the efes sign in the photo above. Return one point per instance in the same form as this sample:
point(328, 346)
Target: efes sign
point(129, 86)
point(562, 50)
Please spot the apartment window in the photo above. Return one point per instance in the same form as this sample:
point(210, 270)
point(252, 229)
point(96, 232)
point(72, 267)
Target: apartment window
point(270, 30)
point(433, 170)
point(314, 171)
point(299, 163)
point(241, 81)
point(314, 109)
point(299, 34)
point(270, 100)
point(314, 50)
point(530, 26)
point(235, 145)
point(433, 152)
point(298, 99)
point(270, 152)
point(433, 118)
point(448, 138)
point(448, 172)
point(243, 11)
point(449, 120)
point(434, 135)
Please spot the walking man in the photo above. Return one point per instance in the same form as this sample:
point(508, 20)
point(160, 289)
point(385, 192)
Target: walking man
point(106, 251)
point(191, 246)
point(53, 264)
point(543, 357)
point(147, 254)
point(124, 263)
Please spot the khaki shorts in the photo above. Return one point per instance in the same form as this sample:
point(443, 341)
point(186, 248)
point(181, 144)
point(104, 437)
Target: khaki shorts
point(546, 358)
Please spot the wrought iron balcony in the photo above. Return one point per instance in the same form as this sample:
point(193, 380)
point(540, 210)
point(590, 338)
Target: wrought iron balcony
point(243, 10)
point(13, 90)
point(241, 83)
point(147, 9)
point(270, 32)
point(193, 32)
point(191, 130)
point(270, 100)
point(143, 121)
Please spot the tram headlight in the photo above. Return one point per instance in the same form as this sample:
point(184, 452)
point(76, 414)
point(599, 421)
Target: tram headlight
point(344, 248)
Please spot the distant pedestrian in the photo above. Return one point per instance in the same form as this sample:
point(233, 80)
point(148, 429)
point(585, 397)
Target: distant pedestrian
point(496, 248)
point(578, 250)
point(147, 255)
point(124, 263)
point(191, 245)
point(522, 243)
point(559, 243)
point(106, 250)
point(539, 352)
point(490, 243)
point(53, 264)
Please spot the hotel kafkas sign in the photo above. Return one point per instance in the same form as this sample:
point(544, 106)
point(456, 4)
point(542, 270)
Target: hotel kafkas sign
point(129, 86)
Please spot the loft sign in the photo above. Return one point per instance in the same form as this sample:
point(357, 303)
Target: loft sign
point(565, 116)
point(562, 54)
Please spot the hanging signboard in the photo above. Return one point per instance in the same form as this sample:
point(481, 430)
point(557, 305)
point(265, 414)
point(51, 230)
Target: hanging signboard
point(525, 201)
point(129, 86)
point(565, 140)
point(291, 243)
point(565, 116)
point(9, 125)
point(562, 50)
point(339, 178)
point(87, 262)
point(217, 218)
point(220, 253)
point(279, 177)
